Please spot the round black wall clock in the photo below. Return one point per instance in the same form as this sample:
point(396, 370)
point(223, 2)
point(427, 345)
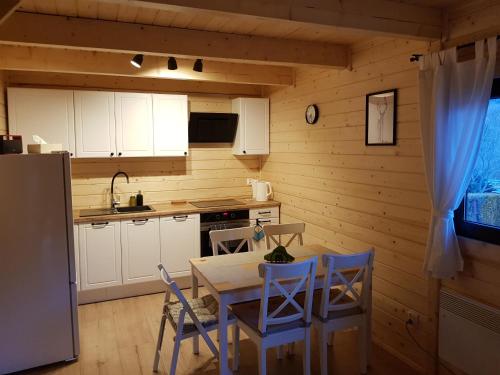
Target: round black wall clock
point(312, 114)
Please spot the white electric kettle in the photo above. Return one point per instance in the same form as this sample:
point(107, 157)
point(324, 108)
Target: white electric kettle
point(263, 191)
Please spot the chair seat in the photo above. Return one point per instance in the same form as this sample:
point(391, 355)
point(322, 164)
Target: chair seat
point(205, 308)
point(335, 314)
point(248, 313)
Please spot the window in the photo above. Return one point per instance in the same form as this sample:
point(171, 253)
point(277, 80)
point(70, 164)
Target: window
point(479, 214)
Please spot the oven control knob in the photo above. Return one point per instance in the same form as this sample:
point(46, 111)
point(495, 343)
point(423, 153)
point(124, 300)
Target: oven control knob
point(233, 215)
point(217, 217)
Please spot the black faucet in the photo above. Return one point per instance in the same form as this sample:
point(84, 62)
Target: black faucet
point(114, 202)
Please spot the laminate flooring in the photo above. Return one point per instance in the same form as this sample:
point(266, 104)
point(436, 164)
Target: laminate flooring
point(119, 337)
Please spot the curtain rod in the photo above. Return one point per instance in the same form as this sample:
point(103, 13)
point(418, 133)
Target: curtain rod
point(416, 56)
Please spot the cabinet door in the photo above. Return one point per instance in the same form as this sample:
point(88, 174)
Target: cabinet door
point(140, 250)
point(170, 117)
point(46, 113)
point(255, 114)
point(77, 256)
point(134, 124)
point(100, 255)
point(261, 244)
point(180, 241)
point(95, 124)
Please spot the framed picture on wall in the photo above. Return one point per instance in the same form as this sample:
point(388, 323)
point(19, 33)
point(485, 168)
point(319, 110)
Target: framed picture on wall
point(381, 118)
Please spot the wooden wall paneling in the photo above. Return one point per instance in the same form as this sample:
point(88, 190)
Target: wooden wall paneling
point(351, 196)
point(3, 103)
point(481, 277)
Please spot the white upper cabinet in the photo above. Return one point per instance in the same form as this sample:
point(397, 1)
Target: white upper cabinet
point(100, 255)
point(95, 124)
point(170, 118)
point(180, 241)
point(134, 124)
point(140, 250)
point(47, 113)
point(252, 135)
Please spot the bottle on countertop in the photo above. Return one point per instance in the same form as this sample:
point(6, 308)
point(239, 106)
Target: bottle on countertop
point(132, 202)
point(139, 199)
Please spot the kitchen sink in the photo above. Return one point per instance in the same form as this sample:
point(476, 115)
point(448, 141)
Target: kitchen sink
point(118, 210)
point(125, 210)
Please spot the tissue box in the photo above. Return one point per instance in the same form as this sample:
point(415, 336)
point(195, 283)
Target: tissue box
point(44, 148)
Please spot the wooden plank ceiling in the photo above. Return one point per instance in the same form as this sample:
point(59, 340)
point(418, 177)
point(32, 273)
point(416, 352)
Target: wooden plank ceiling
point(280, 33)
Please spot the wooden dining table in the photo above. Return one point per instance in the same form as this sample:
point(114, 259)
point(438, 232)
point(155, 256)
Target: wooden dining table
point(235, 278)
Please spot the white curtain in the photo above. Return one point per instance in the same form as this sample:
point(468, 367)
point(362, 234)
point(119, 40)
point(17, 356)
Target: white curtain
point(453, 103)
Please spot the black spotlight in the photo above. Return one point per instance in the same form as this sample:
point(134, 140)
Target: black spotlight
point(198, 65)
point(137, 60)
point(172, 63)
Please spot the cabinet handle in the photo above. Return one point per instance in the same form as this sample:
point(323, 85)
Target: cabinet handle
point(185, 153)
point(244, 152)
point(119, 154)
point(264, 212)
point(100, 225)
point(181, 218)
point(112, 154)
point(259, 221)
point(140, 221)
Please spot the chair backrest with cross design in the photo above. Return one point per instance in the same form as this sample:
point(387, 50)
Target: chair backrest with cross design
point(275, 231)
point(346, 270)
point(219, 239)
point(286, 280)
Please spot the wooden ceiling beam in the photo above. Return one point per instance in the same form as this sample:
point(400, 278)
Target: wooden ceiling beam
point(388, 17)
point(7, 8)
point(61, 60)
point(111, 36)
point(120, 83)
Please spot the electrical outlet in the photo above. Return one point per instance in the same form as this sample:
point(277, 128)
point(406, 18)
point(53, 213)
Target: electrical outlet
point(413, 318)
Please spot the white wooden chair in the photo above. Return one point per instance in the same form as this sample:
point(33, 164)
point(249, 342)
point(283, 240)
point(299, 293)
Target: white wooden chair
point(276, 321)
point(189, 318)
point(219, 237)
point(275, 231)
point(346, 306)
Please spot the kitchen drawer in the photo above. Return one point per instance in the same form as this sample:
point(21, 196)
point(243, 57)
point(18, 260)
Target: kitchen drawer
point(262, 213)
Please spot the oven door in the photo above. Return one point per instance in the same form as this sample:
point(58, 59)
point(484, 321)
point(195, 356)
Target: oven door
point(206, 244)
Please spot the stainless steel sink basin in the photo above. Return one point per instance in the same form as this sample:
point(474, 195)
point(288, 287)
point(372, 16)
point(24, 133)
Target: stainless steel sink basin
point(118, 210)
point(125, 210)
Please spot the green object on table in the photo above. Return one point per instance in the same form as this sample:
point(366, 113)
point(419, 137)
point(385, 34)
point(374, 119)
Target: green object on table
point(279, 255)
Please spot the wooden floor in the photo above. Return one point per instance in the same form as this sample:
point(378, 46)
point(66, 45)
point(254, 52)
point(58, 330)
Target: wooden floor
point(119, 337)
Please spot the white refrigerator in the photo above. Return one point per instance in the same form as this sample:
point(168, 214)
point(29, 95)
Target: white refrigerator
point(38, 301)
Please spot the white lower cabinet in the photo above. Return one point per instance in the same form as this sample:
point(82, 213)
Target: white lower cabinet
point(77, 256)
point(100, 255)
point(140, 240)
point(180, 241)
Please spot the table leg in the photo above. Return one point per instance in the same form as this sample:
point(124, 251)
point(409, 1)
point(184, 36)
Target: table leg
point(223, 344)
point(194, 291)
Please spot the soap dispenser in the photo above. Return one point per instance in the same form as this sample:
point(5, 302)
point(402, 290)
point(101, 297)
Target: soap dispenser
point(139, 199)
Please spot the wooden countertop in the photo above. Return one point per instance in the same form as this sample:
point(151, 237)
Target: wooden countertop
point(168, 209)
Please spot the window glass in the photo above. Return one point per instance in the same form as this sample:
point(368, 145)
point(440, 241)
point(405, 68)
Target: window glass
point(482, 201)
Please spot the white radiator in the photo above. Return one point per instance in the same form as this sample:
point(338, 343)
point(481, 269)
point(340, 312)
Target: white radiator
point(469, 334)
